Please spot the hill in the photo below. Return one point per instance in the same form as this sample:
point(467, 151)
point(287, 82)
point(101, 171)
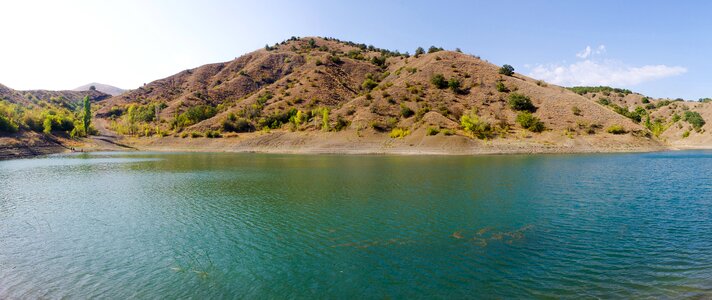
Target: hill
point(39, 121)
point(322, 94)
point(104, 88)
point(675, 122)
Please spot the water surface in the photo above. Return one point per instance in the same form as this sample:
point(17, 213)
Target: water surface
point(156, 225)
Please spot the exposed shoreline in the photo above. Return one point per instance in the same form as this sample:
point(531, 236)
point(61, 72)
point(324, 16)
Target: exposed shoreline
point(345, 144)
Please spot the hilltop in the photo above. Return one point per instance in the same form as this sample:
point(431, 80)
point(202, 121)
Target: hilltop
point(323, 95)
point(104, 88)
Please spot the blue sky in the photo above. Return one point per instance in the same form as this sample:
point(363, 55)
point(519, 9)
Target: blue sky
point(655, 47)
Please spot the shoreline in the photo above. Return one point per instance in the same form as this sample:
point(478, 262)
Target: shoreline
point(309, 143)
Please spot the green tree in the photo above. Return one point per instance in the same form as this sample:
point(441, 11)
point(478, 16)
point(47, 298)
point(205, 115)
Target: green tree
point(506, 70)
point(520, 102)
point(419, 51)
point(86, 118)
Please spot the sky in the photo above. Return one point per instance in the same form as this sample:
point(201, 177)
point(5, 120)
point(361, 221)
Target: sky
point(658, 48)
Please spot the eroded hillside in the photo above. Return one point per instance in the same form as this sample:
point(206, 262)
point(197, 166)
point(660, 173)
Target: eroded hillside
point(304, 92)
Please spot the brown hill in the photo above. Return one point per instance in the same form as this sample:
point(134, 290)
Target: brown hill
point(104, 88)
point(300, 92)
point(678, 123)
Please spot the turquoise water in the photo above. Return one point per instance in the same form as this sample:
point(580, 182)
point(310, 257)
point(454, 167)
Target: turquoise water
point(151, 225)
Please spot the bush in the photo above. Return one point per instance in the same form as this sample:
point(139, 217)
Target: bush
point(213, 134)
point(616, 129)
point(438, 80)
point(419, 51)
point(406, 112)
point(369, 84)
point(7, 125)
point(576, 111)
point(645, 100)
point(399, 133)
point(454, 84)
point(604, 101)
point(237, 125)
point(379, 60)
point(432, 131)
point(434, 49)
point(694, 118)
point(501, 87)
point(341, 123)
point(686, 134)
point(335, 59)
point(506, 70)
point(471, 123)
point(606, 90)
point(520, 102)
point(530, 122)
point(196, 134)
point(194, 115)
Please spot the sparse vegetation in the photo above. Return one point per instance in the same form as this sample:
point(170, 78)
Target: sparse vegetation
point(506, 70)
point(434, 49)
point(472, 124)
point(606, 90)
point(455, 85)
point(530, 122)
point(398, 133)
point(439, 81)
point(694, 118)
point(406, 112)
point(520, 102)
point(616, 129)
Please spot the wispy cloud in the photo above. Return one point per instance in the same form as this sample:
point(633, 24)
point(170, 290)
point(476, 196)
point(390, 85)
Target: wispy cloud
point(588, 51)
point(590, 71)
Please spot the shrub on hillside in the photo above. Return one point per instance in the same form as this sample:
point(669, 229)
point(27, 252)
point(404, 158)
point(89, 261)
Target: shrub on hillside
point(432, 131)
point(399, 133)
point(7, 125)
point(434, 49)
point(406, 112)
point(369, 84)
point(520, 102)
point(604, 101)
point(472, 124)
point(454, 84)
point(616, 129)
point(237, 125)
point(506, 70)
point(694, 118)
point(501, 87)
point(530, 122)
point(419, 51)
point(439, 81)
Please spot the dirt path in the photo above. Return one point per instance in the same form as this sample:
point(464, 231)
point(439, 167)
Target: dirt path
point(107, 139)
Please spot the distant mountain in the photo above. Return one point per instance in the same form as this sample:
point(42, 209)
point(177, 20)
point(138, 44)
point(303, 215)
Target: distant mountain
point(104, 88)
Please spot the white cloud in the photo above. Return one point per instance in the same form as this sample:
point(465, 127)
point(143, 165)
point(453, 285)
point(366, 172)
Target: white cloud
point(585, 53)
point(590, 71)
point(589, 52)
point(607, 72)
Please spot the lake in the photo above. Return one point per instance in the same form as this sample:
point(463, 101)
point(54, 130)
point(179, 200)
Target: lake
point(221, 225)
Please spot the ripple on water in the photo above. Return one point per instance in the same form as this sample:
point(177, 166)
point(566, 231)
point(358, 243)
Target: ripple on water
point(187, 225)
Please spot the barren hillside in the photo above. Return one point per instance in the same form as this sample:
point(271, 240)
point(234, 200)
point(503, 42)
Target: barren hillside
point(317, 87)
